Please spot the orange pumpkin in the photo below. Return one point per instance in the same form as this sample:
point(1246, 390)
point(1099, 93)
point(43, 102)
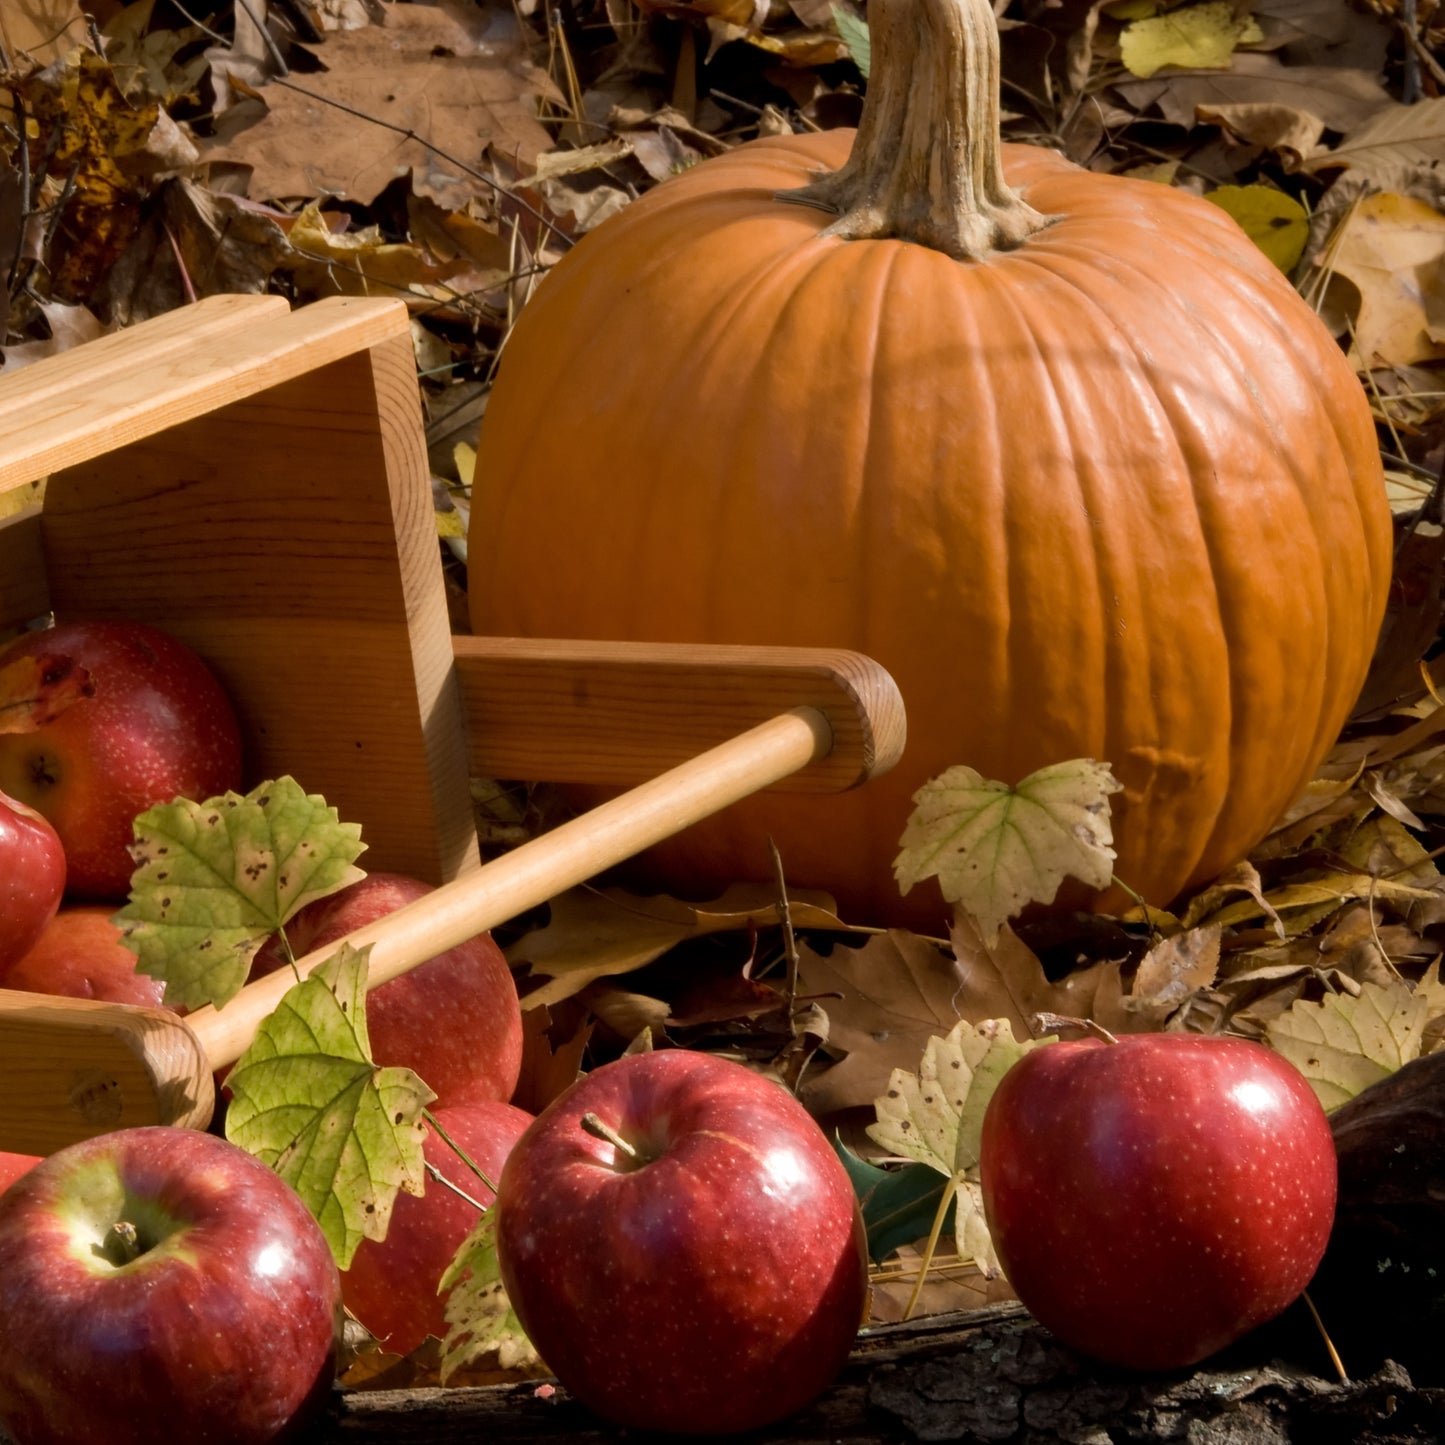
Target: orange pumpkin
point(1062, 450)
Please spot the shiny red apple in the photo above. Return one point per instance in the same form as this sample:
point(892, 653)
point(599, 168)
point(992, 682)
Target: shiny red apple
point(161, 1284)
point(32, 878)
point(454, 1019)
point(158, 726)
point(707, 1273)
point(79, 954)
point(391, 1286)
point(1154, 1198)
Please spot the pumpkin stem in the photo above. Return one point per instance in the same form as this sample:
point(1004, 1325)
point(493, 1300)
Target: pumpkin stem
point(926, 165)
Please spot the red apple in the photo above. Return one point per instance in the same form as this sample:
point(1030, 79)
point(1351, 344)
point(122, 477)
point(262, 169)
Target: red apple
point(217, 1321)
point(13, 1166)
point(1154, 1198)
point(32, 878)
point(712, 1280)
point(391, 1286)
point(80, 955)
point(158, 727)
point(454, 1019)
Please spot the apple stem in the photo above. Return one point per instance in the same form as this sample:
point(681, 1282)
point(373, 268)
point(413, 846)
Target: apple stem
point(594, 1126)
point(121, 1244)
point(1047, 1023)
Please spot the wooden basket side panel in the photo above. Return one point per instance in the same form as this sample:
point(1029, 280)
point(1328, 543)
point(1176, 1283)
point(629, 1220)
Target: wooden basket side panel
point(24, 590)
point(288, 537)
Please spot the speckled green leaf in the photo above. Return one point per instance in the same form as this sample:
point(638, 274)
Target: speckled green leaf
point(214, 880)
point(996, 849)
point(308, 1101)
point(480, 1318)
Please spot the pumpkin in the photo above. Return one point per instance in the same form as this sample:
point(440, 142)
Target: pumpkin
point(1063, 451)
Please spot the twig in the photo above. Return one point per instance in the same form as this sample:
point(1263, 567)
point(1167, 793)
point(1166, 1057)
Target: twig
point(277, 59)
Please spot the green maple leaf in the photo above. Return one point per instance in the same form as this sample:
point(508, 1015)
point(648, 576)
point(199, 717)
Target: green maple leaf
point(479, 1316)
point(996, 849)
point(214, 880)
point(308, 1100)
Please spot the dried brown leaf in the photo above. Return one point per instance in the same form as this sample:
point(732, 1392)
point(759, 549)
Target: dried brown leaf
point(602, 933)
point(348, 130)
point(884, 1002)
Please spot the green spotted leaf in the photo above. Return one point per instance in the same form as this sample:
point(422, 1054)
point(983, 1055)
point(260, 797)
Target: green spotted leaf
point(480, 1318)
point(308, 1100)
point(996, 849)
point(214, 880)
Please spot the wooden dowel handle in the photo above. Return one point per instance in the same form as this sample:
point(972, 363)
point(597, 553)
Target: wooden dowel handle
point(539, 870)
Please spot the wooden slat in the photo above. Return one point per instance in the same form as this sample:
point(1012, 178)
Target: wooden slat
point(95, 398)
point(70, 1068)
point(289, 537)
point(616, 713)
point(24, 592)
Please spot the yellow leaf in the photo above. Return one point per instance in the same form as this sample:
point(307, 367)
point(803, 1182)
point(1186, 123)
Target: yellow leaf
point(996, 849)
point(1275, 222)
point(1344, 1044)
point(1198, 37)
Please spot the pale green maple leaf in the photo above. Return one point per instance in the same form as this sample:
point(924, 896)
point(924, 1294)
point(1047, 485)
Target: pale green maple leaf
point(215, 879)
point(935, 1117)
point(479, 1316)
point(1345, 1043)
point(996, 849)
point(309, 1101)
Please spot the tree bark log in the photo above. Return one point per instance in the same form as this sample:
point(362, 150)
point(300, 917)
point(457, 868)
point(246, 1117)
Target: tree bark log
point(985, 1376)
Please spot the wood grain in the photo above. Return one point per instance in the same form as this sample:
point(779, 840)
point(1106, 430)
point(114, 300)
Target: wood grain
point(288, 536)
point(96, 398)
point(70, 1068)
point(617, 713)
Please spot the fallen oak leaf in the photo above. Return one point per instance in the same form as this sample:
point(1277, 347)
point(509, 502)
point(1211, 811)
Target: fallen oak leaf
point(602, 933)
point(884, 1001)
point(1172, 970)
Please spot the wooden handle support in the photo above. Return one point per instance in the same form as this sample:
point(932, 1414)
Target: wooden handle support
point(70, 1068)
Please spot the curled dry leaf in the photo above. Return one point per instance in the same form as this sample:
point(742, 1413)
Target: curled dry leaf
point(602, 933)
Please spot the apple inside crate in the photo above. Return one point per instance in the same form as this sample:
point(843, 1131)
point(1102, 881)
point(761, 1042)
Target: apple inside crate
point(255, 481)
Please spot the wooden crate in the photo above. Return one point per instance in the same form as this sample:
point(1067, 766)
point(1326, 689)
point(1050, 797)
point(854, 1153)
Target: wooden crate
point(254, 480)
